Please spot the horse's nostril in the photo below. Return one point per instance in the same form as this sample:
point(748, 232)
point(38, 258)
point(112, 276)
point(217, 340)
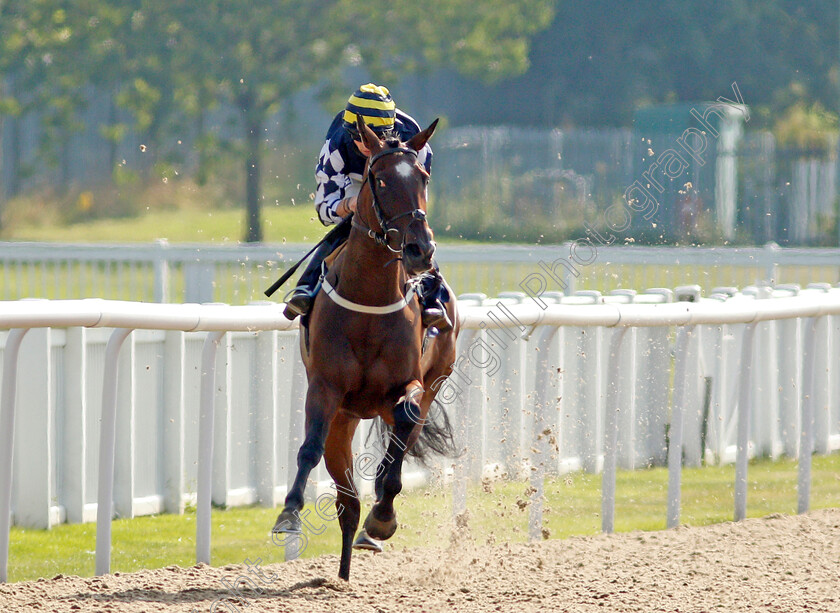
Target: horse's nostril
point(412, 250)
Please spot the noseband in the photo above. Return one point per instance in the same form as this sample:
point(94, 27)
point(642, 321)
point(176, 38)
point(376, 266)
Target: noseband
point(385, 223)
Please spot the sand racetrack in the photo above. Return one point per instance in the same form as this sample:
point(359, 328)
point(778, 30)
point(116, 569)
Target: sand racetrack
point(775, 564)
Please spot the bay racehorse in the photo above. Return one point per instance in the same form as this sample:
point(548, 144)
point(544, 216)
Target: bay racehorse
point(366, 352)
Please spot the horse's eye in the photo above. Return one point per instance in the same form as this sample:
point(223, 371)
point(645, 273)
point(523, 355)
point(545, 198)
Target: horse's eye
point(381, 183)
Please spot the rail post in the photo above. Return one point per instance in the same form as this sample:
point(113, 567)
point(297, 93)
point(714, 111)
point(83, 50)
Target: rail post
point(806, 432)
point(675, 433)
point(107, 445)
point(206, 427)
point(7, 432)
point(744, 409)
point(460, 473)
point(161, 268)
point(544, 403)
point(611, 433)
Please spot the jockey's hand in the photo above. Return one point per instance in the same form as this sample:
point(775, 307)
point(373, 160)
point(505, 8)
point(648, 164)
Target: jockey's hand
point(346, 206)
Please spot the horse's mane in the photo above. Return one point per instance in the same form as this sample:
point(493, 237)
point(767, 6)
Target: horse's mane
point(392, 142)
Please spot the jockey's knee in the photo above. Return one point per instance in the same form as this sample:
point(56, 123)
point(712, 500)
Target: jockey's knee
point(433, 289)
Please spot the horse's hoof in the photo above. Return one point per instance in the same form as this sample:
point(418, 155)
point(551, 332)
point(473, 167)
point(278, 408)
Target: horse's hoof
point(363, 541)
point(287, 522)
point(381, 530)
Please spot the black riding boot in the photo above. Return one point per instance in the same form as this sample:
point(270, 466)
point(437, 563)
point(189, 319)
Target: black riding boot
point(433, 295)
point(299, 301)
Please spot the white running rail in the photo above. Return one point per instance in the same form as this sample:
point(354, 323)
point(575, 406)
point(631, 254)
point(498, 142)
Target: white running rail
point(238, 274)
point(608, 357)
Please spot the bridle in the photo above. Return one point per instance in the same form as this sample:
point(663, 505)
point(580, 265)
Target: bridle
point(385, 223)
point(381, 238)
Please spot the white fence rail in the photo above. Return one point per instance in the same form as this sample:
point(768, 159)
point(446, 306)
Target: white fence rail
point(204, 402)
point(161, 272)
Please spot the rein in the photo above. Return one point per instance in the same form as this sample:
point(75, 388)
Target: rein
point(381, 238)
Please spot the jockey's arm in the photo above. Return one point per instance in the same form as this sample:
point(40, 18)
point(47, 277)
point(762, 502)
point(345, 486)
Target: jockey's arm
point(335, 205)
point(336, 192)
point(346, 206)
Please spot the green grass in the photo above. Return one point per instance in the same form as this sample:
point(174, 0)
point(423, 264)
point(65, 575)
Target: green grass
point(299, 224)
point(293, 224)
point(573, 506)
point(606, 277)
point(240, 285)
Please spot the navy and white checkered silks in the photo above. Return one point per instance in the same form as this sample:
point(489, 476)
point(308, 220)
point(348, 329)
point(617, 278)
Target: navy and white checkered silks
point(338, 174)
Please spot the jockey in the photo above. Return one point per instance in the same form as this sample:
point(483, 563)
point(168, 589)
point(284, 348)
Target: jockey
point(339, 176)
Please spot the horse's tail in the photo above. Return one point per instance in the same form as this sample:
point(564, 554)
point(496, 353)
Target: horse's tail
point(435, 437)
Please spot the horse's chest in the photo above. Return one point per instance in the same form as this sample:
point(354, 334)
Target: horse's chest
point(385, 361)
point(390, 343)
point(368, 359)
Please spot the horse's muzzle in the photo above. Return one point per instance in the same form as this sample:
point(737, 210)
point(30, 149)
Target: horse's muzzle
point(417, 257)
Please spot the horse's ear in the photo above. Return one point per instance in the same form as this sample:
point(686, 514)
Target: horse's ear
point(368, 136)
point(419, 140)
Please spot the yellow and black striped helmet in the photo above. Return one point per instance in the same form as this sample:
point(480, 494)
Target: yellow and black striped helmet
point(374, 104)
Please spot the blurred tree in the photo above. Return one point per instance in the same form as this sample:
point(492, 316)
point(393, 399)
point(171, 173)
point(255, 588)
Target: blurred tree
point(129, 62)
point(158, 63)
point(254, 56)
point(58, 55)
point(163, 61)
point(810, 130)
point(600, 60)
point(257, 55)
point(37, 73)
point(487, 40)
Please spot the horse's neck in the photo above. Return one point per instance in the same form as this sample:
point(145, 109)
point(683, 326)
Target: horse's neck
point(368, 273)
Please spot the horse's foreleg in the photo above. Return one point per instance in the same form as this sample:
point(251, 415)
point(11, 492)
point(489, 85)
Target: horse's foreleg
point(381, 522)
point(381, 471)
point(338, 456)
point(321, 405)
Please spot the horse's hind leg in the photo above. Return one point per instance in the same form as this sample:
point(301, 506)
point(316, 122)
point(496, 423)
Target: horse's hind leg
point(381, 522)
point(321, 403)
point(338, 456)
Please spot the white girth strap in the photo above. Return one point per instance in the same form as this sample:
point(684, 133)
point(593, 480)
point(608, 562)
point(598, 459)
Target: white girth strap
point(361, 308)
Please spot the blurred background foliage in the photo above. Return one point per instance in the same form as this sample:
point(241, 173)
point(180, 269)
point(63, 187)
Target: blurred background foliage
point(231, 99)
point(162, 65)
